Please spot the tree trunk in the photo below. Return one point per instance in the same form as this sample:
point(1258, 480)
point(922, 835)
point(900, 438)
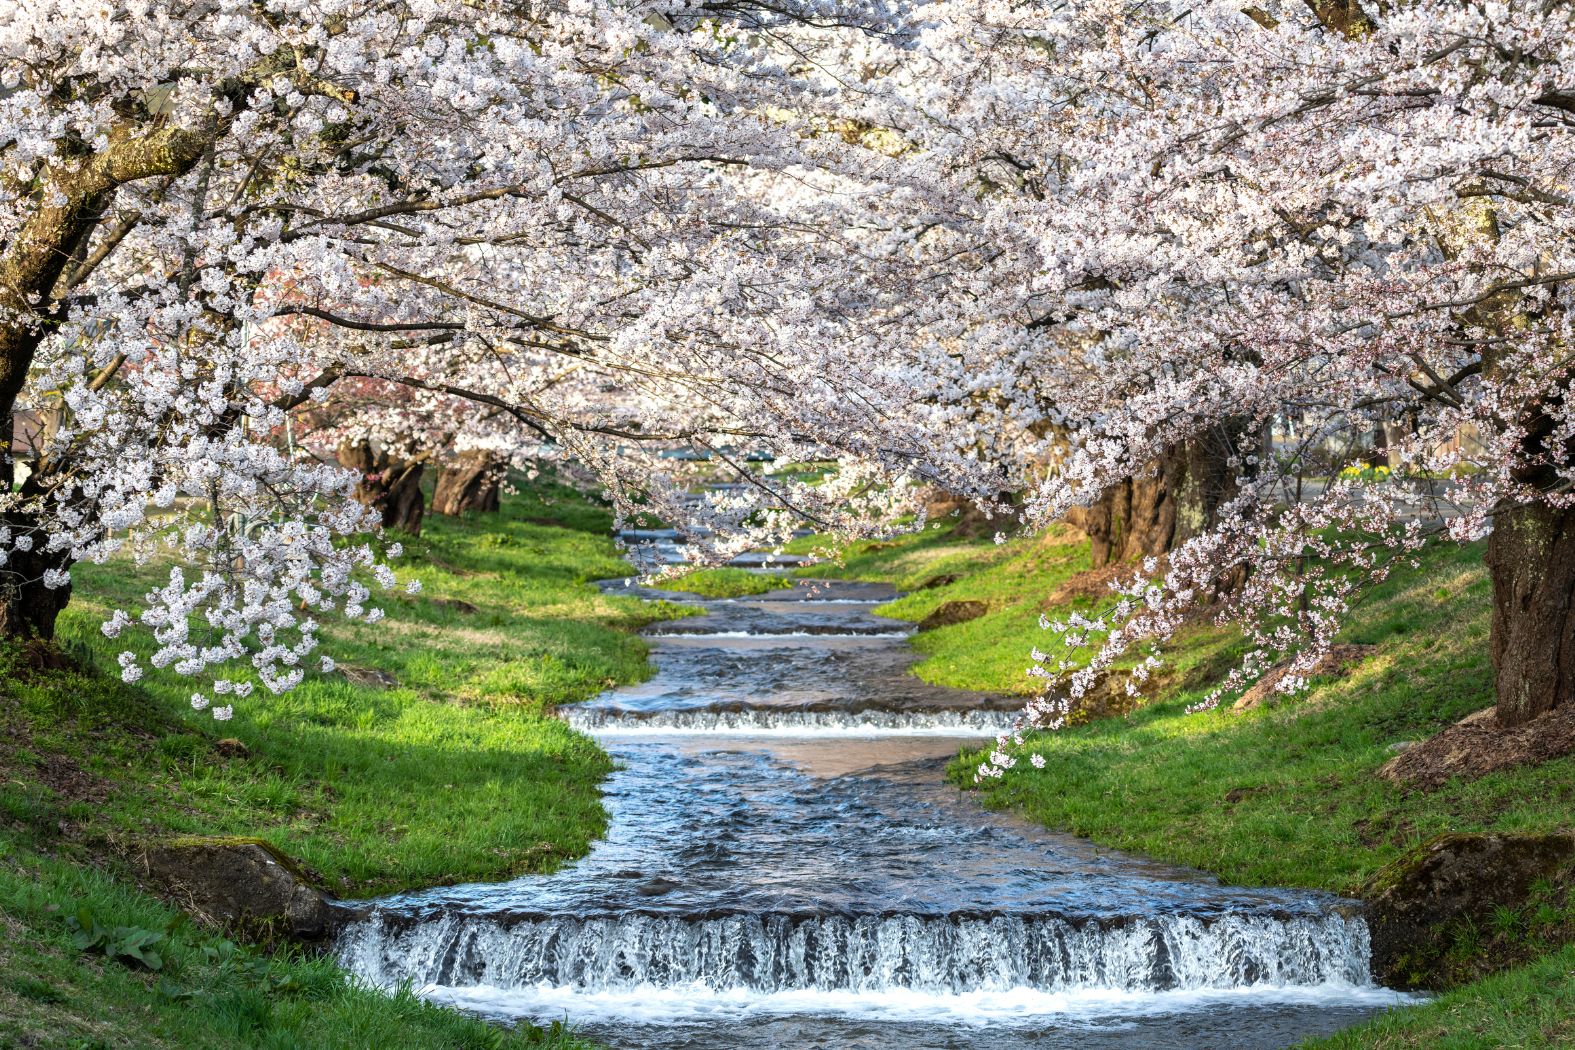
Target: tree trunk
point(390, 485)
point(1173, 499)
point(28, 609)
point(1531, 557)
point(473, 484)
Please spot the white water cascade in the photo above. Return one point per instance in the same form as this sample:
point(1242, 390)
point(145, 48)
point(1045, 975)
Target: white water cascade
point(753, 721)
point(869, 953)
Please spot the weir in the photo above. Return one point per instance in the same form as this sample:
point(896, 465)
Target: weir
point(946, 954)
point(753, 721)
point(785, 866)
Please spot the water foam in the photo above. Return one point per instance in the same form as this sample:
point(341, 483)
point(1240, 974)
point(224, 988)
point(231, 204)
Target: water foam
point(864, 955)
point(996, 1008)
point(769, 635)
point(756, 721)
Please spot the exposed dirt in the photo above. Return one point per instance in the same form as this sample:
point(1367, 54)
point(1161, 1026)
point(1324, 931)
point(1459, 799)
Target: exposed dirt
point(1090, 584)
point(1339, 660)
point(21, 763)
point(368, 676)
point(1476, 746)
point(1434, 913)
point(69, 780)
point(948, 613)
point(41, 655)
point(458, 605)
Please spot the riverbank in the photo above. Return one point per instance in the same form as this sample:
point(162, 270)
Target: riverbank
point(1285, 794)
point(429, 757)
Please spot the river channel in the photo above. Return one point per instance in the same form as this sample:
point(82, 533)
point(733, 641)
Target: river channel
point(786, 867)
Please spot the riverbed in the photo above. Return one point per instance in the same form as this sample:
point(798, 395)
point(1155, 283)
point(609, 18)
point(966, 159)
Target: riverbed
point(786, 867)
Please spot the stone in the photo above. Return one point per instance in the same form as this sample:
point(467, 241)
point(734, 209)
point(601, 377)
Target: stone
point(244, 886)
point(1337, 661)
point(948, 613)
point(1416, 905)
point(368, 676)
point(1400, 747)
point(657, 887)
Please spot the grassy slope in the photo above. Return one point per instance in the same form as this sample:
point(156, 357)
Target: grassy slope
point(456, 773)
point(1014, 578)
point(1283, 795)
point(208, 994)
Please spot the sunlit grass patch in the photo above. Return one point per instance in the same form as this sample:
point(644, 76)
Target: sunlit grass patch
point(722, 582)
point(1013, 578)
point(1531, 1006)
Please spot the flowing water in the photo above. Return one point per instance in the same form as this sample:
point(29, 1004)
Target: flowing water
point(785, 868)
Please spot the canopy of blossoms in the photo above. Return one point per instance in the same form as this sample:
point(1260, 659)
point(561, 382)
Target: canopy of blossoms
point(1285, 229)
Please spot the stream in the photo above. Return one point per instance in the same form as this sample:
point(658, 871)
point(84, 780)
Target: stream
point(785, 867)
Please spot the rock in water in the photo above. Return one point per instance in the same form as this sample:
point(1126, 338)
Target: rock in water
point(1416, 905)
point(948, 613)
point(241, 885)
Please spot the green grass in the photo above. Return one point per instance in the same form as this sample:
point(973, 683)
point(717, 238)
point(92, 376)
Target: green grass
point(1013, 578)
point(1529, 1006)
point(1286, 794)
point(207, 993)
point(457, 772)
point(723, 582)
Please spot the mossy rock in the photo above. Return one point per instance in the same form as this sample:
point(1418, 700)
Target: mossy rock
point(244, 886)
point(948, 613)
point(1418, 905)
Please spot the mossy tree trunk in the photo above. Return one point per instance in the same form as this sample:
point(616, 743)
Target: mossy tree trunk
point(1173, 499)
point(472, 484)
point(1531, 557)
point(389, 484)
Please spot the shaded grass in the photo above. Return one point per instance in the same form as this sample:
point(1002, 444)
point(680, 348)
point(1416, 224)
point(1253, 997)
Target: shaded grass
point(208, 993)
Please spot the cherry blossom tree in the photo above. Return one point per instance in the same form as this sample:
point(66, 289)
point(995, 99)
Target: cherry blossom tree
point(1276, 230)
point(615, 226)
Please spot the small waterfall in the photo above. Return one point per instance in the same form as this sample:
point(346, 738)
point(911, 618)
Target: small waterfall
point(697, 632)
point(747, 720)
point(945, 954)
